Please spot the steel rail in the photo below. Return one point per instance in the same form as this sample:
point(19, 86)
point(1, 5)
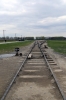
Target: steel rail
point(42, 42)
point(14, 78)
point(56, 80)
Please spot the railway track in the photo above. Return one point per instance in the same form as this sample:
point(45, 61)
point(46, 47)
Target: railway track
point(38, 80)
point(57, 73)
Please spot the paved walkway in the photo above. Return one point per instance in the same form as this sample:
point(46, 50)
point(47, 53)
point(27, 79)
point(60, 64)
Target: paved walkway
point(8, 42)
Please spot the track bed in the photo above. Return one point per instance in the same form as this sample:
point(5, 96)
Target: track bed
point(35, 81)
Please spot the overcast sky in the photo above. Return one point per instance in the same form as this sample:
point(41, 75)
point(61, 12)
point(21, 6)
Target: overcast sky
point(33, 17)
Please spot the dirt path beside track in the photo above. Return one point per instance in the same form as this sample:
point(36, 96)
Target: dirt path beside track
point(59, 58)
point(8, 68)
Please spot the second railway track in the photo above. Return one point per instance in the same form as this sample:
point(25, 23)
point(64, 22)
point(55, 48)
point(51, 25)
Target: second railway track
point(35, 81)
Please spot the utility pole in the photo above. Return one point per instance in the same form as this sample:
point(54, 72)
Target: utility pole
point(4, 35)
point(15, 36)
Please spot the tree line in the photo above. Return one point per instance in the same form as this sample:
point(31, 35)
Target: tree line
point(20, 38)
point(57, 38)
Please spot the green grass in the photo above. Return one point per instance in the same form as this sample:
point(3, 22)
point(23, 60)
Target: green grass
point(58, 45)
point(9, 47)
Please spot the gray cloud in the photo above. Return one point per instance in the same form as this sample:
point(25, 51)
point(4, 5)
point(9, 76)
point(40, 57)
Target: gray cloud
point(33, 17)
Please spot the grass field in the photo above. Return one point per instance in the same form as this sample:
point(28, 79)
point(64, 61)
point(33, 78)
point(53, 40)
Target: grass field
point(58, 45)
point(9, 47)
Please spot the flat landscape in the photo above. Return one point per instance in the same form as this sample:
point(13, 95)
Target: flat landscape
point(58, 45)
point(10, 47)
point(34, 81)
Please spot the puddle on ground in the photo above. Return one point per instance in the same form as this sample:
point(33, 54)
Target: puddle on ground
point(6, 55)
